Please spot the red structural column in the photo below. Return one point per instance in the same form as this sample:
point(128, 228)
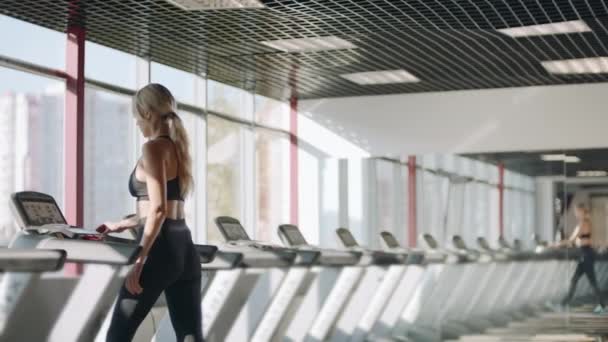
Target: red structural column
point(293, 154)
point(501, 197)
point(411, 203)
point(74, 126)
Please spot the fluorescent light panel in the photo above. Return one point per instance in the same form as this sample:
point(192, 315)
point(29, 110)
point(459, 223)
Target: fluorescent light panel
point(310, 44)
point(204, 5)
point(592, 173)
point(574, 26)
point(560, 157)
point(553, 157)
point(572, 159)
point(381, 77)
point(593, 65)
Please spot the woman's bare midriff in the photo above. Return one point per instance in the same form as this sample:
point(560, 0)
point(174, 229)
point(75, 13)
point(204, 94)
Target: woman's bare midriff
point(175, 209)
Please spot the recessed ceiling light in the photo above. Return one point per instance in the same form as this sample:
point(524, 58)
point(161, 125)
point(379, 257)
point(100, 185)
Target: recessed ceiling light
point(310, 44)
point(574, 26)
point(593, 65)
point(204, 5)
point(560, 157)
point(381, 77)
point(592, 173)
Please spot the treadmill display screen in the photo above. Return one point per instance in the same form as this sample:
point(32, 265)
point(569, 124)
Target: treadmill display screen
point(390, 240)
point(347, 238)
point(294, 236)
point(234, 231)
point(39, 213)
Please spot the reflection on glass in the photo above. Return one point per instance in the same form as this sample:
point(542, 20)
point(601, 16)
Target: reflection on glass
point(31, 140)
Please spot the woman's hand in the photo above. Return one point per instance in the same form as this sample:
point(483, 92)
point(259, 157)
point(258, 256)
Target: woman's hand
point(130, 221)
point(132, 282)
point(112, 227)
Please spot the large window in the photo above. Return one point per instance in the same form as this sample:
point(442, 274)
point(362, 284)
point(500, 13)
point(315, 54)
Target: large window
point(433, 196)
point(391, 190)
point(31, 139)
point(272, 183)
point(226, 167)
point(111, 152)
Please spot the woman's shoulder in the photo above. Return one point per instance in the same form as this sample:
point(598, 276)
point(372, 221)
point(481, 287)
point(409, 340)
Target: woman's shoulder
point(155, 149)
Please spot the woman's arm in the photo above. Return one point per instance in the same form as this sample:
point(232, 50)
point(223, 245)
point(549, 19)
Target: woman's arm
point(156, 182)
point(572, 239)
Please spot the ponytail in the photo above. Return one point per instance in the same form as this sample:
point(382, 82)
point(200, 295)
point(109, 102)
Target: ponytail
point(180, 138)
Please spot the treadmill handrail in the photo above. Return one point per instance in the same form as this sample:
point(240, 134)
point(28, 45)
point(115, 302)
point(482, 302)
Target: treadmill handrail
point(206, 253)
point(31, 260)
point(92, 252)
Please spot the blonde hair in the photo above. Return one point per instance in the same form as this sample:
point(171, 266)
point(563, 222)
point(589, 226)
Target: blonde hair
point(155, 99)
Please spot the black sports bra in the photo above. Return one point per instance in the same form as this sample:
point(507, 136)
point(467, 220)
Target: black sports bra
point(585, 236)
point(139, 189)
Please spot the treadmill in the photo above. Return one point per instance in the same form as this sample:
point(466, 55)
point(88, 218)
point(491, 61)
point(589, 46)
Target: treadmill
point(440, 282)
point(382, 324)
point(64, 308)
point(297, 284)
point(229, 292)
point(338, 321)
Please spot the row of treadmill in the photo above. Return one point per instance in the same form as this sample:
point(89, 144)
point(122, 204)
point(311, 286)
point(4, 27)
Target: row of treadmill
point(256, 291)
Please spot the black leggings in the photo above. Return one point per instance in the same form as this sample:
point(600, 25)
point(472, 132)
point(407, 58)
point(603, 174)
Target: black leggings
point(173, 267)
point(586, 265)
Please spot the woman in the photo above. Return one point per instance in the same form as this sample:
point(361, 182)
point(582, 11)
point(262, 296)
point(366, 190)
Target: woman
point(167, 259)
point(586, 263)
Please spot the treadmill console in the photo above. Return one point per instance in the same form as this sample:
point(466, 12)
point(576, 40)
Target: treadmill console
point(346, 237)
point(231, 229)
point(35, 209)
point(430, 241)
point(517, 244)
point(37, 213)
point(291, 235)
point(458, 242)
point(389, 240)
point(483, 243)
